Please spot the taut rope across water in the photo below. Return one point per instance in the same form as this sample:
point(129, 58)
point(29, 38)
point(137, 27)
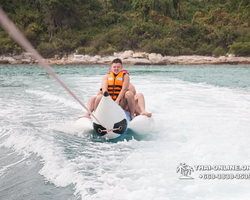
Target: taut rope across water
point(16, 35)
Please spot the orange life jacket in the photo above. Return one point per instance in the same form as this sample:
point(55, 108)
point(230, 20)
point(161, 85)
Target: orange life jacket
point(115, 83)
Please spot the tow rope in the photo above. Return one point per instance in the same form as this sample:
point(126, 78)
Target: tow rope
point(16, 35)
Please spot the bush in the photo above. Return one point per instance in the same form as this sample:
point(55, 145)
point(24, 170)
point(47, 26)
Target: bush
point(219, 51)
point(205, 49)
point(147, 30)
point(240, 48)
point(119, 38)
point(87, 50)
point(47, 50)
point(81, 50)
point(108, 51)
point(153, 46)
point(167, 46)
point(186, 51)
point(90, 51)
point(7, 45)
point(64, 45)
point(33, 33)
point(113, 17)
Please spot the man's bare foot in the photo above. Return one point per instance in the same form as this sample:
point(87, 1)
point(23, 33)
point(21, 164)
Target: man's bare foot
point(146, 114)
point(132, 117)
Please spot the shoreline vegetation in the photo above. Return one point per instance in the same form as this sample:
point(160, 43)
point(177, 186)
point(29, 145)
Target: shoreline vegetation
point(129, 58)
point(169, 31)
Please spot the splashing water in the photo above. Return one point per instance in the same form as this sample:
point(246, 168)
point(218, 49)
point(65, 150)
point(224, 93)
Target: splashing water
point(201, 117)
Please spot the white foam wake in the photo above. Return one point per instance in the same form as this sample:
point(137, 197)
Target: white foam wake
point(54, 98)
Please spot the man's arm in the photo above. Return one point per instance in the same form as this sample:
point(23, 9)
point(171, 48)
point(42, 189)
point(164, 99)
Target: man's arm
point(125, 85)
point(105, 83)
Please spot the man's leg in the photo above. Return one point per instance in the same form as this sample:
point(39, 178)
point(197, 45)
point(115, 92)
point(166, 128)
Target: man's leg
point(97, 101)
point(140, 105)
point(128, 103)
point(91, 105)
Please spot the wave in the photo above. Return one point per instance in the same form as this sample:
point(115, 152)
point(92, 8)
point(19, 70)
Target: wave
point(54, 98)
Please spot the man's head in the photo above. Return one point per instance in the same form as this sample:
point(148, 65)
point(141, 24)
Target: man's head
point(116, 66)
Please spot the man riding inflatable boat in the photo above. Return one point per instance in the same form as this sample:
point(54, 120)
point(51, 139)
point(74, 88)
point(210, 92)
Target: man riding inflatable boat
point(115, 109)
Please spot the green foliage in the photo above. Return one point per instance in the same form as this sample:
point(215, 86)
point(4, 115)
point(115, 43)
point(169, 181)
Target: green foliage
point(243, 35)
point(206, 49)
point(65, 41)
point(47, 50)
point(91, 51)
point(219, 51)
point(240, 48)
point(169, 27)
point(153, 46)
point(107, 51)
point(87, 51)
point(7, 45)
point(113, 17)
point(81, 50)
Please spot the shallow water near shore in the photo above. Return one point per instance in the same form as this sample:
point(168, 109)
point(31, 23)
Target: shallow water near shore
point(201, 116)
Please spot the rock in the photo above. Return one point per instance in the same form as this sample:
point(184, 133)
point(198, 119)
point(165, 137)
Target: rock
point(230, 55)
point(136, 61)
point(140, 55)
point(127, 54)
point(97, 57)
point(57, 57)
point(10, 60)
point(129, 58)
point(77, 57)
point(155, 58)
point(81, 58)
point(94, 60)
point(27, 55)
point(118, 55)
point(106, 60)
point(4, 61)
point(64, 59)
point(26, 61)
point(18, 57)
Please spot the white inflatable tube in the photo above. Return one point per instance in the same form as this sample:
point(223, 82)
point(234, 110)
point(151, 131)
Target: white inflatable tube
point(140, 125)
point(111, 116)
point(114, 121)
point(84, 126)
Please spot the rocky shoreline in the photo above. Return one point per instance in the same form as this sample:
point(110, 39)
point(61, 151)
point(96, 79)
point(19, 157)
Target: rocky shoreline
point(128, 58)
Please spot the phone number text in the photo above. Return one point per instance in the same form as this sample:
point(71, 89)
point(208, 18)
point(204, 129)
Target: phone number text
point(224, 176)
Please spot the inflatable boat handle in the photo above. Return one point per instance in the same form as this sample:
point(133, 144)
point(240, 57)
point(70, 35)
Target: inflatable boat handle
point(106, 94)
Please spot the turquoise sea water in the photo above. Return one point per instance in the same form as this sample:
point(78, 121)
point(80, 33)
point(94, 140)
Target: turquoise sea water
point(201, 116)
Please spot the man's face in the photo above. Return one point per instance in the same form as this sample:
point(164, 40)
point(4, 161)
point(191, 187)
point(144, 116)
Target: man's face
point(116, 68)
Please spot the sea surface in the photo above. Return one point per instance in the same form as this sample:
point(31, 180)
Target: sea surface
point(201, 117)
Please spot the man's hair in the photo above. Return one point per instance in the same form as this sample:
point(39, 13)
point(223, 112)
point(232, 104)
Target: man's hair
point(117, 60)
